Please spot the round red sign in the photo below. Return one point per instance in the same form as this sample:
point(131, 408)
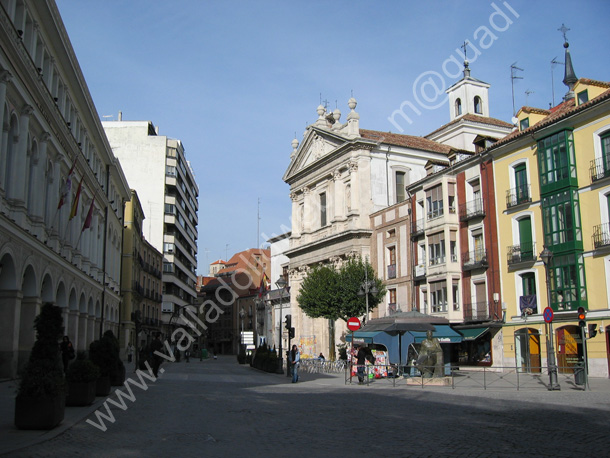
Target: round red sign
point(353, 324)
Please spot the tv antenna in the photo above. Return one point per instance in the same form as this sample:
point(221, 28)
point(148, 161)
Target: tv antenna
point(527, 94)
point(513, 77)
point(553, 63)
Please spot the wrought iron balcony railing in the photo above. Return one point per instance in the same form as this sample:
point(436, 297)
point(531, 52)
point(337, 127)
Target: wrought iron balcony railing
point(476, 259)
point(601, 235)
point(518, 195)
point(472, 209)
point(525, 252)
point(477, 311)
point(600, 168)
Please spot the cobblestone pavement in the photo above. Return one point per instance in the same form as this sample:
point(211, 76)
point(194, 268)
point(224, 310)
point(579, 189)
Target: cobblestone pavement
point(219, 409)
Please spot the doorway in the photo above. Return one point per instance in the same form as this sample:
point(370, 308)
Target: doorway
point(527, 346)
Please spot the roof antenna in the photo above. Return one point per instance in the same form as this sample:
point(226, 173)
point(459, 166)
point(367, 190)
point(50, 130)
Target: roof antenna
point(527, 94)
point(553, 63)
point(513, 77)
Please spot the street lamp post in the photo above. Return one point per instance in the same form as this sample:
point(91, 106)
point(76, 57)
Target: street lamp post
point(366, 288)
point(242, 314)
point(547, 256)
point(281, 284)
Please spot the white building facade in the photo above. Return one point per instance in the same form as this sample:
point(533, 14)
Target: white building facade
point(156, 167)
point(61, 188)
point(339, 175)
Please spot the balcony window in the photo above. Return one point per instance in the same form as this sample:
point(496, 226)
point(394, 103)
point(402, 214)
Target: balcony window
point(434, 200)
point(400, 186)
point(438, 296)
point(556, 162)
point(561, 220)
point(600, 167)
point(392, 262)
point(601, 235)
point(568, 285)
point(436, 248)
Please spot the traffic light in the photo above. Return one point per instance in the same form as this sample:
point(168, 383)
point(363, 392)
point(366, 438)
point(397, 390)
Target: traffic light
point(291, 333)
point(288, 322)
point(592, 330)
point(582, 315)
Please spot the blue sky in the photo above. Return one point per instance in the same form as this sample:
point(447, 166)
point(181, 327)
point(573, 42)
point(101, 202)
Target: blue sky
point(235, 80)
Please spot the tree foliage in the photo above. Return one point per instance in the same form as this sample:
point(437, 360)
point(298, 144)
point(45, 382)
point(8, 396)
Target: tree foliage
point(319, 291)
point(330, 293)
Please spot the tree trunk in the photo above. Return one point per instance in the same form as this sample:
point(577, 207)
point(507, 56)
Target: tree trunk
point(331, 339)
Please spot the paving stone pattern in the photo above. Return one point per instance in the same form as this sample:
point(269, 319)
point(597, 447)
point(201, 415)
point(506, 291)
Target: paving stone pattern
point(221, 409)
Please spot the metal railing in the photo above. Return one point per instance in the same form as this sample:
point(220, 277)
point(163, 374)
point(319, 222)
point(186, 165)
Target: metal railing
point(518, 195)
point(474, 259)
point(601, 235)
point(600, 168)
point(476, 311)
point(475, 378)
point(524, 252)
point(472, 209)
point(317, 366)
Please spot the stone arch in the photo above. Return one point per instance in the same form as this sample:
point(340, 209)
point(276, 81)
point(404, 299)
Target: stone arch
point(73, 302)
point(46, 290)
point(8, 274)
point(30, 307)
point(61, 299)
point(90, 307)
point(98, 309)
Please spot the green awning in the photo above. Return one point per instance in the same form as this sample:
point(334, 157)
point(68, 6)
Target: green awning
point(443, 333)
point(473, 333)
point(362, 336)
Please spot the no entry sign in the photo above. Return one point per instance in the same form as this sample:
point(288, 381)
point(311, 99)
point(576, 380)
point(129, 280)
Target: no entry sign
point(353, 324)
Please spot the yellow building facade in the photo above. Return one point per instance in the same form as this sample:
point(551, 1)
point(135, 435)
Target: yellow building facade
point(552, 187)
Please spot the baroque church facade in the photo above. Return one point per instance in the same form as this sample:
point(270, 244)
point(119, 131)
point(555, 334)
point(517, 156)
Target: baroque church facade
point(340, 174)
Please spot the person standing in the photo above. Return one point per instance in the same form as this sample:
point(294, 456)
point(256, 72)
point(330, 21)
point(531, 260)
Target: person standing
point(67, 352)
point(155, 347)
point(361, 361)
point(295, 359)
point(129, 352)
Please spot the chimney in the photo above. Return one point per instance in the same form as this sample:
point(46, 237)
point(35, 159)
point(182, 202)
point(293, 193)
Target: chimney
point(120, 115)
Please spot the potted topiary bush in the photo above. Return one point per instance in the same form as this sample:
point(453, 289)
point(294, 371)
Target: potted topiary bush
point(41, 396)
point(82, 379)
point(101, 355)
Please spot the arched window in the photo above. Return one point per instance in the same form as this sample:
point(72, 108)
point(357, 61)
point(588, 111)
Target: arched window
point(458, 107)
point(478, 107)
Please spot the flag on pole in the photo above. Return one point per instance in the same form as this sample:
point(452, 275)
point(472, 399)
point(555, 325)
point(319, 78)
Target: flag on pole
point(67, 187)
point(89, 217)
point(264, 285)
point(74, 210)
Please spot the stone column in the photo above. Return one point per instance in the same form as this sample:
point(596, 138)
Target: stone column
point(296, 217)
point(307, 222)
point(339, 192)
point(10, 305)
point(72, 329)
point(90, 331)
point(30, 308)
point(39, 188)
point(19, 158)
point(81, 345)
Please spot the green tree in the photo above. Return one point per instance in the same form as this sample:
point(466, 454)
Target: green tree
point(333, 294)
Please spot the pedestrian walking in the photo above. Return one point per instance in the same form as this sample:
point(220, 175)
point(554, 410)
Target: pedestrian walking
point(129, 352)
point(67, 352)
point(187, 355)
point(295, 361)
point(155, 347)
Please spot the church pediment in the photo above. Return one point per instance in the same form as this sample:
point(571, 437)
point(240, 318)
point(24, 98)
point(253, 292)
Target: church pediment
point(316, 145)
